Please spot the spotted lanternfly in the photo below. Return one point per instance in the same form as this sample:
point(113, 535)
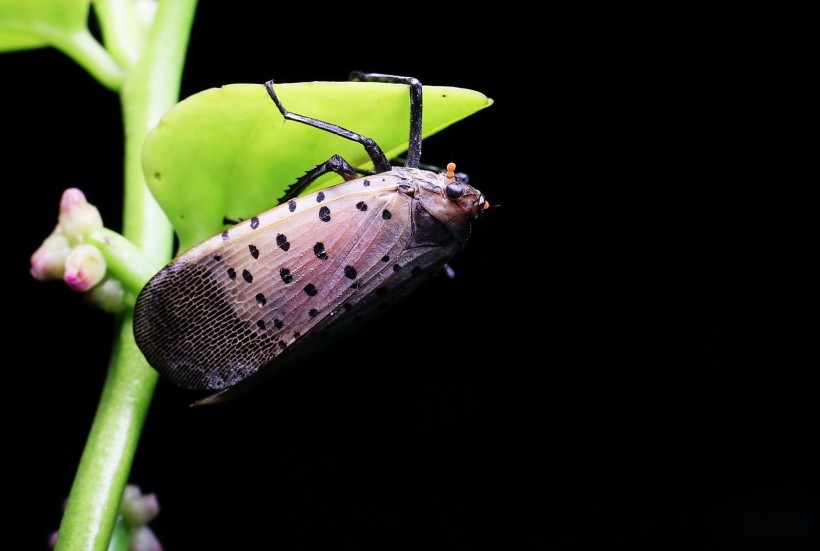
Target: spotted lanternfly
point(226, 311)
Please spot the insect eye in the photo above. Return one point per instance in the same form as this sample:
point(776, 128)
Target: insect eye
point(454, 191)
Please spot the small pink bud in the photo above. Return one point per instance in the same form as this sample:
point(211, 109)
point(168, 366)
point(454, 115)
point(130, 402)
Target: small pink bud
point(48, 261)
point(138, 509)
point(72, 198)
point(84, 267)
point(143, 539)
point(77, 216)
point(131, 491)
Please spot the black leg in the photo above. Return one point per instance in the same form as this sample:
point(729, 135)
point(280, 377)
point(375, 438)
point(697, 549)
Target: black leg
point(414, 150)
point(380, 161)
point(334, 164)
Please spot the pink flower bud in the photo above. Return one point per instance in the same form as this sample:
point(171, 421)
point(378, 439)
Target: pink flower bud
point(143, 539)
point(84, 267)
point(77, 216)
point(140, 510)
point(48, 261)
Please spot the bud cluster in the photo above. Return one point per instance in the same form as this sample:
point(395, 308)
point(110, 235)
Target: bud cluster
point(65, 254)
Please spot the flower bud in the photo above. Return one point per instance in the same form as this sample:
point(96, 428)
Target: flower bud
point(143, 539)
point(84, 267)
point(138, 509)
point(48, 261)
point(77, 216)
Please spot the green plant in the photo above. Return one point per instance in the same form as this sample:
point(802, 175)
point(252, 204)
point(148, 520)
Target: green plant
point(138, 53)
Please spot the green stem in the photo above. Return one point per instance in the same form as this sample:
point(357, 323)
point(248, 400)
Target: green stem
point(123, 260)
point(83, 48)
point(104, 467)
point(150, 89)
point(119, 23)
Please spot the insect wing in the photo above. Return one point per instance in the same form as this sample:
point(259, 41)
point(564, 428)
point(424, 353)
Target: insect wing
point(220, 312)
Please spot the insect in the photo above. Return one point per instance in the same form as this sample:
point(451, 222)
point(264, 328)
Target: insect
point(222, 314)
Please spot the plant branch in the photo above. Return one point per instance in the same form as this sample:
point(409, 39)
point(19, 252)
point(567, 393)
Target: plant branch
point(83, 48)
point(125, 262)
point(149, 90)
point(119, 23)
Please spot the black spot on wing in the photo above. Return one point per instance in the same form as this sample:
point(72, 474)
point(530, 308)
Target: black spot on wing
point(324, 214)
point(282, 242)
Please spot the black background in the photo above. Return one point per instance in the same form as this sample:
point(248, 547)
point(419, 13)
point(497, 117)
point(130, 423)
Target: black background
point(629, 352)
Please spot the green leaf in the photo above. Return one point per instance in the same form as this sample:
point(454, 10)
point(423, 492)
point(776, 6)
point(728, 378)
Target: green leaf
point(26, 24)
point(228, 153)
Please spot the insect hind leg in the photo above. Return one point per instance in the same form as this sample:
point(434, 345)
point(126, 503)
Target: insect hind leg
point(414, 149)
point(375, 152)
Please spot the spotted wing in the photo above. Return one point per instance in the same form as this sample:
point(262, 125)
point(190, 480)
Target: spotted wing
point(230, 306)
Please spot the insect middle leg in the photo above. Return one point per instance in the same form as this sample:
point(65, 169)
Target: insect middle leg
point(335, 164)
